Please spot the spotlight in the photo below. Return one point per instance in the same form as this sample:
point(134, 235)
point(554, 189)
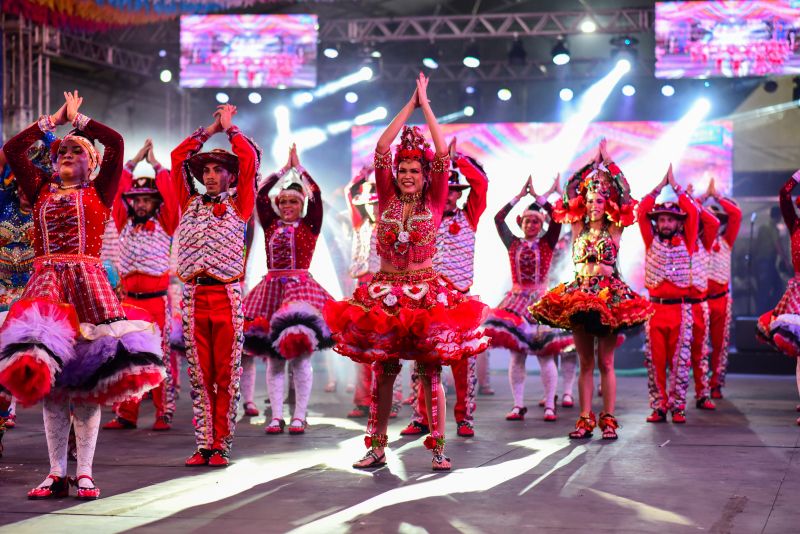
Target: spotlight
point(770, 86)
point(366, 73)
point(623, 66)
point(517, 54)
point(470, 90)
point(162, 53)
point(628, 90)
point(566, 94)
point(504, 94)
point(430, 63)
point(667, 90)
point(560, 53)
point(351, 97)
point(472, 58)
point(469, 111)
point(375, 54)
point(701, 107)
point(376, 114)
point(706, 84)
point(588, 26)
point(222, 98)
point(166, 76)
point(331, 53)
point(300, 99)
point(624, 47)
point(254, 98)
point(281, 86)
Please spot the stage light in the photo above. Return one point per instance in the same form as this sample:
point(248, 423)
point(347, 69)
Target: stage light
point(330, 53)
point(517, 54)
point(472, 58)
point(351, 97)
point(623, 66)
point(222, 98)
point(365, 73)
point(566, 94)
point(560, 53)
point(375, 54)
point(667, 90)
point(162, 53)
point(300, 99)
point(336, 128)
point(470, 90)
point(628, 90)
point(701, 107)
point(706, 84)
point(309, 138)
point(281, 86)
point(504, 94)
point(254, 98)
point(376, 114)
point(166, 76)
point(588, 26)
point(430, 63)
point(282, 119)
point(469, 111)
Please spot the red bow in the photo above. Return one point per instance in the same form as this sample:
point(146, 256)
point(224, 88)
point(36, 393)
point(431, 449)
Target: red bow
point(219, 210)
point(454, 228)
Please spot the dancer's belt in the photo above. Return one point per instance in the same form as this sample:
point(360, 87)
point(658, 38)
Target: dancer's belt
point(680, 300)
point(209, 281)
point(144, 296)
point(286, 274)
point(718, 295)
point(48, 259)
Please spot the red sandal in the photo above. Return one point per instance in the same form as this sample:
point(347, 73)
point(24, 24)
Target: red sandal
point(275, 429)
point(57, 490)
point(86, 494)
point(609, 425)
point(583, 427)
point(296, 430)
point(517, 413)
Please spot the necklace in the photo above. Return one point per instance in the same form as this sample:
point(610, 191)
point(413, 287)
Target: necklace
point(62, 186)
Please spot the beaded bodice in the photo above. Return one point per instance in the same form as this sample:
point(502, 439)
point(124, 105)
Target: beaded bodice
point(290, 245)
point(589, 248)
point(406, 240)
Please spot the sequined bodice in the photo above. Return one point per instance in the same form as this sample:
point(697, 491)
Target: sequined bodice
point(71, 223)
point(289, 245)
point(404, 242)
point(589, 248)
point(530, 262)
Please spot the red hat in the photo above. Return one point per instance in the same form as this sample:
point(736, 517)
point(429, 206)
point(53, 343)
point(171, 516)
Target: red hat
point(667, 208)
point(144, 185)
point(454, 182)
point(229, 161)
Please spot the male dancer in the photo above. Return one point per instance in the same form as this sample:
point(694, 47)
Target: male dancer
point(211, 241)
point(669, 231)
point(454, 260)
point(146, 214)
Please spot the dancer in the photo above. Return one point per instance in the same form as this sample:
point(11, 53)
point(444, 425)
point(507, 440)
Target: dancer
point(211, 241)
point(455, 261)
point(408, 311)
point(700, 265)
point(719, 281)
point(146, 214)
point(510, 325)
point(362, 199)
point(283, 312)
point(68, 341)
point(670, 232)
point(597, 304)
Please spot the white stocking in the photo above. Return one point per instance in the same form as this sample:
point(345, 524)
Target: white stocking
point(56, 430)
point(248, 381)
point(276, 376)
point(87, 424)
point(569, 364)
point(303, 375)
point(516, 376)
point(549, 373)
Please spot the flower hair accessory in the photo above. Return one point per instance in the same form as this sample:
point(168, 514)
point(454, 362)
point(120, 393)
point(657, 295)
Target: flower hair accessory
point(413, 146)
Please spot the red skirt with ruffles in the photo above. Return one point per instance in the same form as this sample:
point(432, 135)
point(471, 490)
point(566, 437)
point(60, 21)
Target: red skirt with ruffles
point(415, 315)
point(597, 305)
point(780, 328)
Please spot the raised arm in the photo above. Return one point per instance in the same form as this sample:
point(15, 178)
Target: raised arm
point(107, 181)
point(266, 215)
point(646, 206)
point(182, 182)
point(691, 226)
point(29, 177)
point(710, 225)
point(506, 235)
point(785, 201)
point(479, 187)
point(553, 228)
point(249, 161)
point(119, 210)
point(314, 210)
point(734, 219)
point(390, 133)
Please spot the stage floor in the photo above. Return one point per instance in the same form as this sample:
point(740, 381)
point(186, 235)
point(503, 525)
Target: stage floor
point(735, 470)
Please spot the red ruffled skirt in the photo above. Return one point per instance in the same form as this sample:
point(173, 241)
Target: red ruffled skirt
point(415, 315)
point(780, 328)
point(597, 305)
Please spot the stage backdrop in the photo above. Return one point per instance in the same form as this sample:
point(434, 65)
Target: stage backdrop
point(510, 152)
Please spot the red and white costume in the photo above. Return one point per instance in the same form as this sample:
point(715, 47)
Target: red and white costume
point(668, 279)
point(211, 242)
point(455, 262)
point(719, 297)
point(409, 314)
point(144, 268)
point(780, 327)
point(283, 313)
point(68, 340)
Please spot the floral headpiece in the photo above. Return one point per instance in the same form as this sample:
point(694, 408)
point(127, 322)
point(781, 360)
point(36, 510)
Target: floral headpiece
point(290, 176)
point(413, 146)
point(601, 178)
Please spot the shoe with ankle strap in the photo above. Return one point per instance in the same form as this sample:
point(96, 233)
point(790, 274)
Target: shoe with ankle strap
point(86, 494)
point(57, 490)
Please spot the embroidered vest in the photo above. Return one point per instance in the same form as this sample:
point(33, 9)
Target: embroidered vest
point(144, 251)
point(719, 269)
point(666, 263)
point(211, 245)
point(455, 250)
point(365, 257)
point(701, 261)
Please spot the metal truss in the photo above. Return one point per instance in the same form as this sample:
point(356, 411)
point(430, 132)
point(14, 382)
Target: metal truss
point(87, 50)
point(481, 26)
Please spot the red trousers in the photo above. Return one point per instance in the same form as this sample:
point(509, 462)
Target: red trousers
point(719, 312)
point(699, 349)
point(668, 349)
point(163, 395)
point(466, 381)
point(212, 329)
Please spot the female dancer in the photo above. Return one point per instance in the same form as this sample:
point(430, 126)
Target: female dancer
point(510, 325)
point(407, 310)
point(597, 304)
point(780, 327)
point(283, 312)
point(68, 339)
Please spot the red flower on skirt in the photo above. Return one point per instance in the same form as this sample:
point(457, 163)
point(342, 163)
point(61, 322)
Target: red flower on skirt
point(415, 237)
point(219, 210)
